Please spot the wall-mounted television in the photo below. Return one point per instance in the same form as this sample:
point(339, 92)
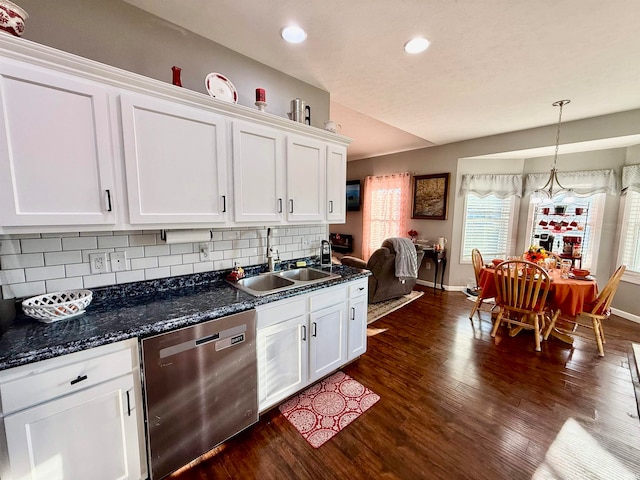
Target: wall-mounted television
point(353, 195)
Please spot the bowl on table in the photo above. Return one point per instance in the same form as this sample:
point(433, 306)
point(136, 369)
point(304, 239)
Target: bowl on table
point(496, 261)
point(580, 272)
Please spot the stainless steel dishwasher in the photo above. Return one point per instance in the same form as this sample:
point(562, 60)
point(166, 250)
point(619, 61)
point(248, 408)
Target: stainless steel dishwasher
point(200, 388)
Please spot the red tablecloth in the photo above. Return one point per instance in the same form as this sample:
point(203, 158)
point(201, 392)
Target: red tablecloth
point(566, 294)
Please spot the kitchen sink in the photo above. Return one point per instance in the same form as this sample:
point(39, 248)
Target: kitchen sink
point(263, 283)
point(272, 282)
point(304, 274)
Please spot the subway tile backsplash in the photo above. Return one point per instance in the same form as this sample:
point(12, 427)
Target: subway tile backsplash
point(34, 264)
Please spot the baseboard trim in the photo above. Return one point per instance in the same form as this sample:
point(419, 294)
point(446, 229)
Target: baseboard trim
point(626, 315)
point(448, 288)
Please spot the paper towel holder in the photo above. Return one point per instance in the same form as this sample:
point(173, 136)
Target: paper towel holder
point(198, 235)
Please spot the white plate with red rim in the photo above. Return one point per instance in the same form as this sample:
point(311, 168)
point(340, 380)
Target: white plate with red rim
point(573, 276)
point(221, 88)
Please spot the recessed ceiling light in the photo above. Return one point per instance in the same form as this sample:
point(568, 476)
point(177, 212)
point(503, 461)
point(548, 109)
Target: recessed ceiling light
point(416, 45)
point(293, 34)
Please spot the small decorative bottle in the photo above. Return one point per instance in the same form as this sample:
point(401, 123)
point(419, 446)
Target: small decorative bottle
point(176, 76)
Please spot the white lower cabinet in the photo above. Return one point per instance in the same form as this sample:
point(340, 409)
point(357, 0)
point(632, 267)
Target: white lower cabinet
point(305, 338)
point(357, 319)
point(282, 350)
point(74, 417)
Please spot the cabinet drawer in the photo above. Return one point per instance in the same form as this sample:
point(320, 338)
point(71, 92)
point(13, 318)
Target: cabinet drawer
point(327, 297)
point(280, 311)
point(358, 288)
point(40, 387)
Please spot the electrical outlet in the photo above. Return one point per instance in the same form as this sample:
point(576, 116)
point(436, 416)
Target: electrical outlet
point(205, 252)
point(427, 266)
point(98, 262)
point(118, 261)
point(305, 242)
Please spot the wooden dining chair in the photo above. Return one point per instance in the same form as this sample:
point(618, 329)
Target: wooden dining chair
point(595, 312)
point(522, 288)
point(478, 263)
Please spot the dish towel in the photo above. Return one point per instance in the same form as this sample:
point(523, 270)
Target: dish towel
point(406, 258)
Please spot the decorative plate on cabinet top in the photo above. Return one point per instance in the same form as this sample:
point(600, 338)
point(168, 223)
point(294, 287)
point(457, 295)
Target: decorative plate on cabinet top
point(221, 88)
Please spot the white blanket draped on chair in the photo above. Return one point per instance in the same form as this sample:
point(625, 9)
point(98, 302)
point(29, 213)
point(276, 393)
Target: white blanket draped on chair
point(406, 258)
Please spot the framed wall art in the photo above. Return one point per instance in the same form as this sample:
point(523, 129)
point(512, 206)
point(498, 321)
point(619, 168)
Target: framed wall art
point(430, 194)
point(353, 195)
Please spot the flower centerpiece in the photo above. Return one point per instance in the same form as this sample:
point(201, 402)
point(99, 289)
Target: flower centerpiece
point(535, 254)
point(413, 234)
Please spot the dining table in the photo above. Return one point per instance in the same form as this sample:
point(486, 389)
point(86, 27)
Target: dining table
point(567, 296)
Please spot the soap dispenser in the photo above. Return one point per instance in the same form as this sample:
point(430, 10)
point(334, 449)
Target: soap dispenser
point(325, 253)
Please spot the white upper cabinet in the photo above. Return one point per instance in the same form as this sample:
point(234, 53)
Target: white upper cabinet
point(175, 161)
point(306, 173)
point(86, 147)
point(56, 156)
point(336, 183)
point(258, 173)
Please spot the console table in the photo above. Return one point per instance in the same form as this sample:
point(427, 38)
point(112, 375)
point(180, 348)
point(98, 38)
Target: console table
point(437, 257)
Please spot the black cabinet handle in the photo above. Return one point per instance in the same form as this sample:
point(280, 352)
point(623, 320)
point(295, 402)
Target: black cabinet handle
point(279, 205)
point(353, 313)
point(108, 200)
point(330, 206)
point(224, 203)
point(78, 380)
point(304, 333)
point(291, 205)
point(128, 404)
point(315, 329)
point(360, 288)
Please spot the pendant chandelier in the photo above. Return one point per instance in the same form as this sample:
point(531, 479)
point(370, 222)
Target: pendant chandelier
point(553, 189)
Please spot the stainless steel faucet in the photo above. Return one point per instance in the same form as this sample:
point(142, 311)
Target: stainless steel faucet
point(270, 260)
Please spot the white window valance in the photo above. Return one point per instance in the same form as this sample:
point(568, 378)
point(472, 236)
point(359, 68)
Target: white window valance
point(631, 178)
point(583, 183)
point(502, 186)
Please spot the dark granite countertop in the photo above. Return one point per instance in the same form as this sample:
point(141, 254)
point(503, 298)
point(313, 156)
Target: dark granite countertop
point(140, 310)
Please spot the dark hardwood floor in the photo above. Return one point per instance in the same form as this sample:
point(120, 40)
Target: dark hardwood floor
point(455, 403)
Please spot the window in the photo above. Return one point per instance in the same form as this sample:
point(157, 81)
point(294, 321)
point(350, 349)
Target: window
point(488, 226)
point(630, 236)
point(385, 210)
point(551, 230)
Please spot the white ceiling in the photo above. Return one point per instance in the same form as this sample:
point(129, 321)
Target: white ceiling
point(494, 66)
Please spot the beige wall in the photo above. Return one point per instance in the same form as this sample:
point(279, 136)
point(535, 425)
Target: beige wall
point(446, 158)
point(118, 34)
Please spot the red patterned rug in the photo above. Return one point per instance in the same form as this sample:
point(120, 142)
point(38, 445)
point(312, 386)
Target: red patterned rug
point(325, 408)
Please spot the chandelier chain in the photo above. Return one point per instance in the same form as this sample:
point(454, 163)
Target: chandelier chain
point(559, 103)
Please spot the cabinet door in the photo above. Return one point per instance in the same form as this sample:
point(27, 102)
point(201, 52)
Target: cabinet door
point(327, 347)
point(336, 183)
point(56, 157)
point(175, 159)
point(306, 172)
point(282, 360)
point(258, 173)
point(90, 434)
point(357, 327)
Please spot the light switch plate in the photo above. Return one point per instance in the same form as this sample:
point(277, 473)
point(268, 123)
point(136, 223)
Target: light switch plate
point(118, 261)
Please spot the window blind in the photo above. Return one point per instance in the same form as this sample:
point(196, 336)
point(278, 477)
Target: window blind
point(386, 211)
point(631, 232)
point(487, 226)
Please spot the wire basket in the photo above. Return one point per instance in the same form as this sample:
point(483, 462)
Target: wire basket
point(52, 307)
